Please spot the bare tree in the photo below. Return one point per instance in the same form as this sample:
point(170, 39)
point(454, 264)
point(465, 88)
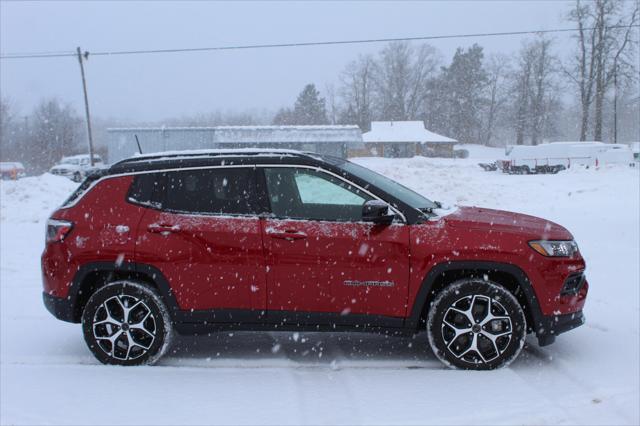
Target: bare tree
point(615, 53)
point(55, 132)
point(401, 75)
point(605, 47)
point(215, 118)
point(521, 83)
point(542, 78)
point(6, 119)
point(436, 108)
point(332, 103)
point(497, 69)
point(533, 83)
point(356, 91)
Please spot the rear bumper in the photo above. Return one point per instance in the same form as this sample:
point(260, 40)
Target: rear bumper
point(60, 307)
point(551, 326)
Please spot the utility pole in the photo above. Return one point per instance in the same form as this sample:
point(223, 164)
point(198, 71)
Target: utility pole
point(615, 101)
point(82, 58)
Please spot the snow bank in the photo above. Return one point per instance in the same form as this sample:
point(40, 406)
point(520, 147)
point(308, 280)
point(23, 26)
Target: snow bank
point(589, 376)
point(32, 199)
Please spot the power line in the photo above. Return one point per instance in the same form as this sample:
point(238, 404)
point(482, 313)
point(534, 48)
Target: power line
point(303, 44)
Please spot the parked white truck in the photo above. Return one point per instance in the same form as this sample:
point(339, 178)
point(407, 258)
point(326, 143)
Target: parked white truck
point(555, 156)
point(77, 167)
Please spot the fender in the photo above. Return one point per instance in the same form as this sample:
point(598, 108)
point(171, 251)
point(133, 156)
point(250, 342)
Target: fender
point(153, 273)
point(413, 319)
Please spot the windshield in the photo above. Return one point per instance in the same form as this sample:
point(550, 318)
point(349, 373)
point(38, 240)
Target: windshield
point(389, 186)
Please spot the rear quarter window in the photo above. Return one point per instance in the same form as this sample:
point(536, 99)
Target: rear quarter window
point(146, 189)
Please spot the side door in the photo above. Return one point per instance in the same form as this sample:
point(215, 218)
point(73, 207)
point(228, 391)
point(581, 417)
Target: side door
point(203, 233)
point(321, 257)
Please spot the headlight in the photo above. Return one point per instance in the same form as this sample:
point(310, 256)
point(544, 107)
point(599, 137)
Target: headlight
point(555, 248)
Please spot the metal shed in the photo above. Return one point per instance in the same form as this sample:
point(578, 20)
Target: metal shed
point(330, 140)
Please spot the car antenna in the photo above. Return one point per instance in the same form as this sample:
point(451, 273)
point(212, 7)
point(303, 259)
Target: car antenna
point(138, 142)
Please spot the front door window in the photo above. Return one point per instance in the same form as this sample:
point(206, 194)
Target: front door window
point(311, 194)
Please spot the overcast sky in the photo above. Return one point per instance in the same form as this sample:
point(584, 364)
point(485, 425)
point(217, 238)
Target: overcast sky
point(153, 87)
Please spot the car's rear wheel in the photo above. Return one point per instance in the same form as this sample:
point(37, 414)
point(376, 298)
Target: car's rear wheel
point(126, 323)
point(476, 325)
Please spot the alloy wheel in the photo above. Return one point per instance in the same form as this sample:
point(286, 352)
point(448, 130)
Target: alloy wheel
point(124, 327)
point(476, 329)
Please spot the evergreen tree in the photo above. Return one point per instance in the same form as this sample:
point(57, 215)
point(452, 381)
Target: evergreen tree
point(465, 80)
point(284, 117)
point(310, 108)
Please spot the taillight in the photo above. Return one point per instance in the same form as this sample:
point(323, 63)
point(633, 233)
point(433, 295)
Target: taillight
point(57, 230)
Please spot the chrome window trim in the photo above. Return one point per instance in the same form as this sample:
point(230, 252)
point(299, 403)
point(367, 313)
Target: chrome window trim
point(230, 166)
point(320, 169)
point(176, 169)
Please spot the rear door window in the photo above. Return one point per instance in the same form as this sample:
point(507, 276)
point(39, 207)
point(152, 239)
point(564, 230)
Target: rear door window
point(211, 191)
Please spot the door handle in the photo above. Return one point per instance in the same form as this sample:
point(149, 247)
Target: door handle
point(287, 235)
point(162, 228)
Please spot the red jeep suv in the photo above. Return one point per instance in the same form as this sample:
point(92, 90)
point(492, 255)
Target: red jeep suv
point(201, 241)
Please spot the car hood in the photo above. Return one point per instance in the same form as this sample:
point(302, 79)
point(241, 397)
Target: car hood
point(504, 221)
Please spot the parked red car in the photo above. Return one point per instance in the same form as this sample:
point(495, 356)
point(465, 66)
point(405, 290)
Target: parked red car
point(11, 171)
point(282, 240)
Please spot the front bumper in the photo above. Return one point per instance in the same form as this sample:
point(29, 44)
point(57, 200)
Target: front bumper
point(59, 172)
point(60, 307)
point(550, 326)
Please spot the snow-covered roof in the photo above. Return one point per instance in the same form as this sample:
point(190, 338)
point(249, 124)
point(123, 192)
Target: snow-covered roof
point(262, 134)
point(402, 131)
point(575, 143)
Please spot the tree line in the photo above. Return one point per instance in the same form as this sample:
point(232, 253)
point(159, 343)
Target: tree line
point(528, 97)
point(525, 98)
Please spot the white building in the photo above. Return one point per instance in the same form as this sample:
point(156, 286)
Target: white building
point(405, 139)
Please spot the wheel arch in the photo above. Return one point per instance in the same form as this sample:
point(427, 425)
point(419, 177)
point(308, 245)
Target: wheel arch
point(92, 276)
point(507, 275)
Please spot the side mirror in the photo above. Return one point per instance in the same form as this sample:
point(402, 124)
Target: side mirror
point(377, 211)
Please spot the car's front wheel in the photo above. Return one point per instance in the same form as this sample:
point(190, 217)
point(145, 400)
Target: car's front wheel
point(476, 325)
point(126, 323)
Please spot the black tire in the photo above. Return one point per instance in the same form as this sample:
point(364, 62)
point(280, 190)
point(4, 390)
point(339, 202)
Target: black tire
point(126, 323)
point(77, 177)
point(452, 334)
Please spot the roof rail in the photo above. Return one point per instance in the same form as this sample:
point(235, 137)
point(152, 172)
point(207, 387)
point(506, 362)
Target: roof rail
point(210, 153)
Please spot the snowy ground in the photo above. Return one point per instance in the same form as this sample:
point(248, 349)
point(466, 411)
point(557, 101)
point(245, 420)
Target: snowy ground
point(589, 376)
